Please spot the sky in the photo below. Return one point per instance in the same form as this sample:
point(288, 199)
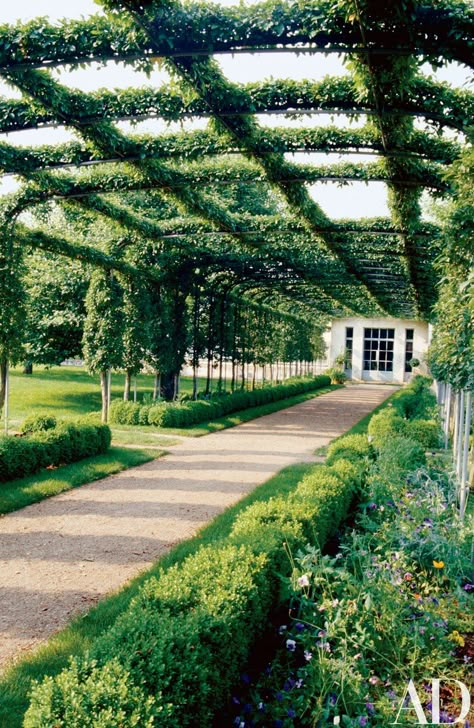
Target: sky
point(352, 201)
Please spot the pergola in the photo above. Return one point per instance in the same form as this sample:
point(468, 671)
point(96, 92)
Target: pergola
point(380, 266)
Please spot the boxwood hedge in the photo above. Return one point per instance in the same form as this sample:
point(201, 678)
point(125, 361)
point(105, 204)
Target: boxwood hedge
point(64, 443)
point(184, 414)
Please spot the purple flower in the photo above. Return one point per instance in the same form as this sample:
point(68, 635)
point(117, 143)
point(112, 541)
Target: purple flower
point(363, 720)
point(372, 506)
point(291, 645)
point(308, 655)
point(370, 708)
point(278, 723)
point(235, 700)
point(291, 713)
point(245, 678)
point(299, 627)
point(332, 699)
point(468, 587)
point(279, 696)
point(303, 580)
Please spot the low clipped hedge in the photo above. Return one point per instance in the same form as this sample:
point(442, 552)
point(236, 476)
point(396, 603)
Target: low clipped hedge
point(62, 444)
point(185, 638)
point(184, 414)
point(413, 415)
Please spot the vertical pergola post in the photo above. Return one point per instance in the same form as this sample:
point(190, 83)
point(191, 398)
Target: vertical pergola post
point(447, 414)
point(7, 392)
point(465, 455)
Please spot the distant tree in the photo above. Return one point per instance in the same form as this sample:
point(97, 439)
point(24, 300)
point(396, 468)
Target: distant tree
point(56, 288)
point(103, 329)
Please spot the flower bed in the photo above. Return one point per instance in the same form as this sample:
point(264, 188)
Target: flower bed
point(184, 414)
point(393, 604)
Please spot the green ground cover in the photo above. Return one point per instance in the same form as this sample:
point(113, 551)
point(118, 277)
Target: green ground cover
point(22, 492)
point(68, 391)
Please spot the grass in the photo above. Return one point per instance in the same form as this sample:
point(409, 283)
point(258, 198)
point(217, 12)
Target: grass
point(81, 633)
point(24, 491)
point(68, 391)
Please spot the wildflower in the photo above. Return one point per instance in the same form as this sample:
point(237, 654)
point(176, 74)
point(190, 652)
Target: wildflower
point(291, 713)
point(261, 706)
point(370, 708)
point(291, 645)
point(335, 603)
point(456, 637)
point(372, 506)
point(278, 723)
point(282, 629)
point(299, 683)
point(438, 564)
point(299, 627)
point(279, 696)
point(245, 678)
point(308, 655)
point(362, 720)
point(468, 587)
point(323, 645)
point(408, 576)
point(303, 580)
point(373, 680)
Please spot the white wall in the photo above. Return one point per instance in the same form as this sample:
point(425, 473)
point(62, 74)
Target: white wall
point(420, 345)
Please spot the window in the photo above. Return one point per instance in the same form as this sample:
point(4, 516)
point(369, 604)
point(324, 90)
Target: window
point(378, 350)
point(349, 340)
point(409, 337)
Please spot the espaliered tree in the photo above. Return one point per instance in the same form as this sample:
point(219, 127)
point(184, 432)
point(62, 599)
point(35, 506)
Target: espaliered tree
point(242, 255)
point(451, 353)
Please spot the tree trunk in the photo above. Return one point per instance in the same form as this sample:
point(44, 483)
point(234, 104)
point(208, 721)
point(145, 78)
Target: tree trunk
point(254, 376)
point(3, 382)
point(27, 367)
point(157, 386)
point(104, 388)
point(168, 385)
point(127, 386)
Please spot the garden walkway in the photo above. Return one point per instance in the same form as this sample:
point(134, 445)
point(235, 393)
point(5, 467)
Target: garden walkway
point(60, 556)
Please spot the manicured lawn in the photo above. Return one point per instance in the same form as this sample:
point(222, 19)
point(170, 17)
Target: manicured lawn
point(67, 391)
point(81, 633)
point(24, 491)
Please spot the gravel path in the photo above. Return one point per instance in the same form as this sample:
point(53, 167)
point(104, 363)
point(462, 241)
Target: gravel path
point(60, 556)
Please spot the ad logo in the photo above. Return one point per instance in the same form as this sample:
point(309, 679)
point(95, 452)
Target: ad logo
point(412, 703)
